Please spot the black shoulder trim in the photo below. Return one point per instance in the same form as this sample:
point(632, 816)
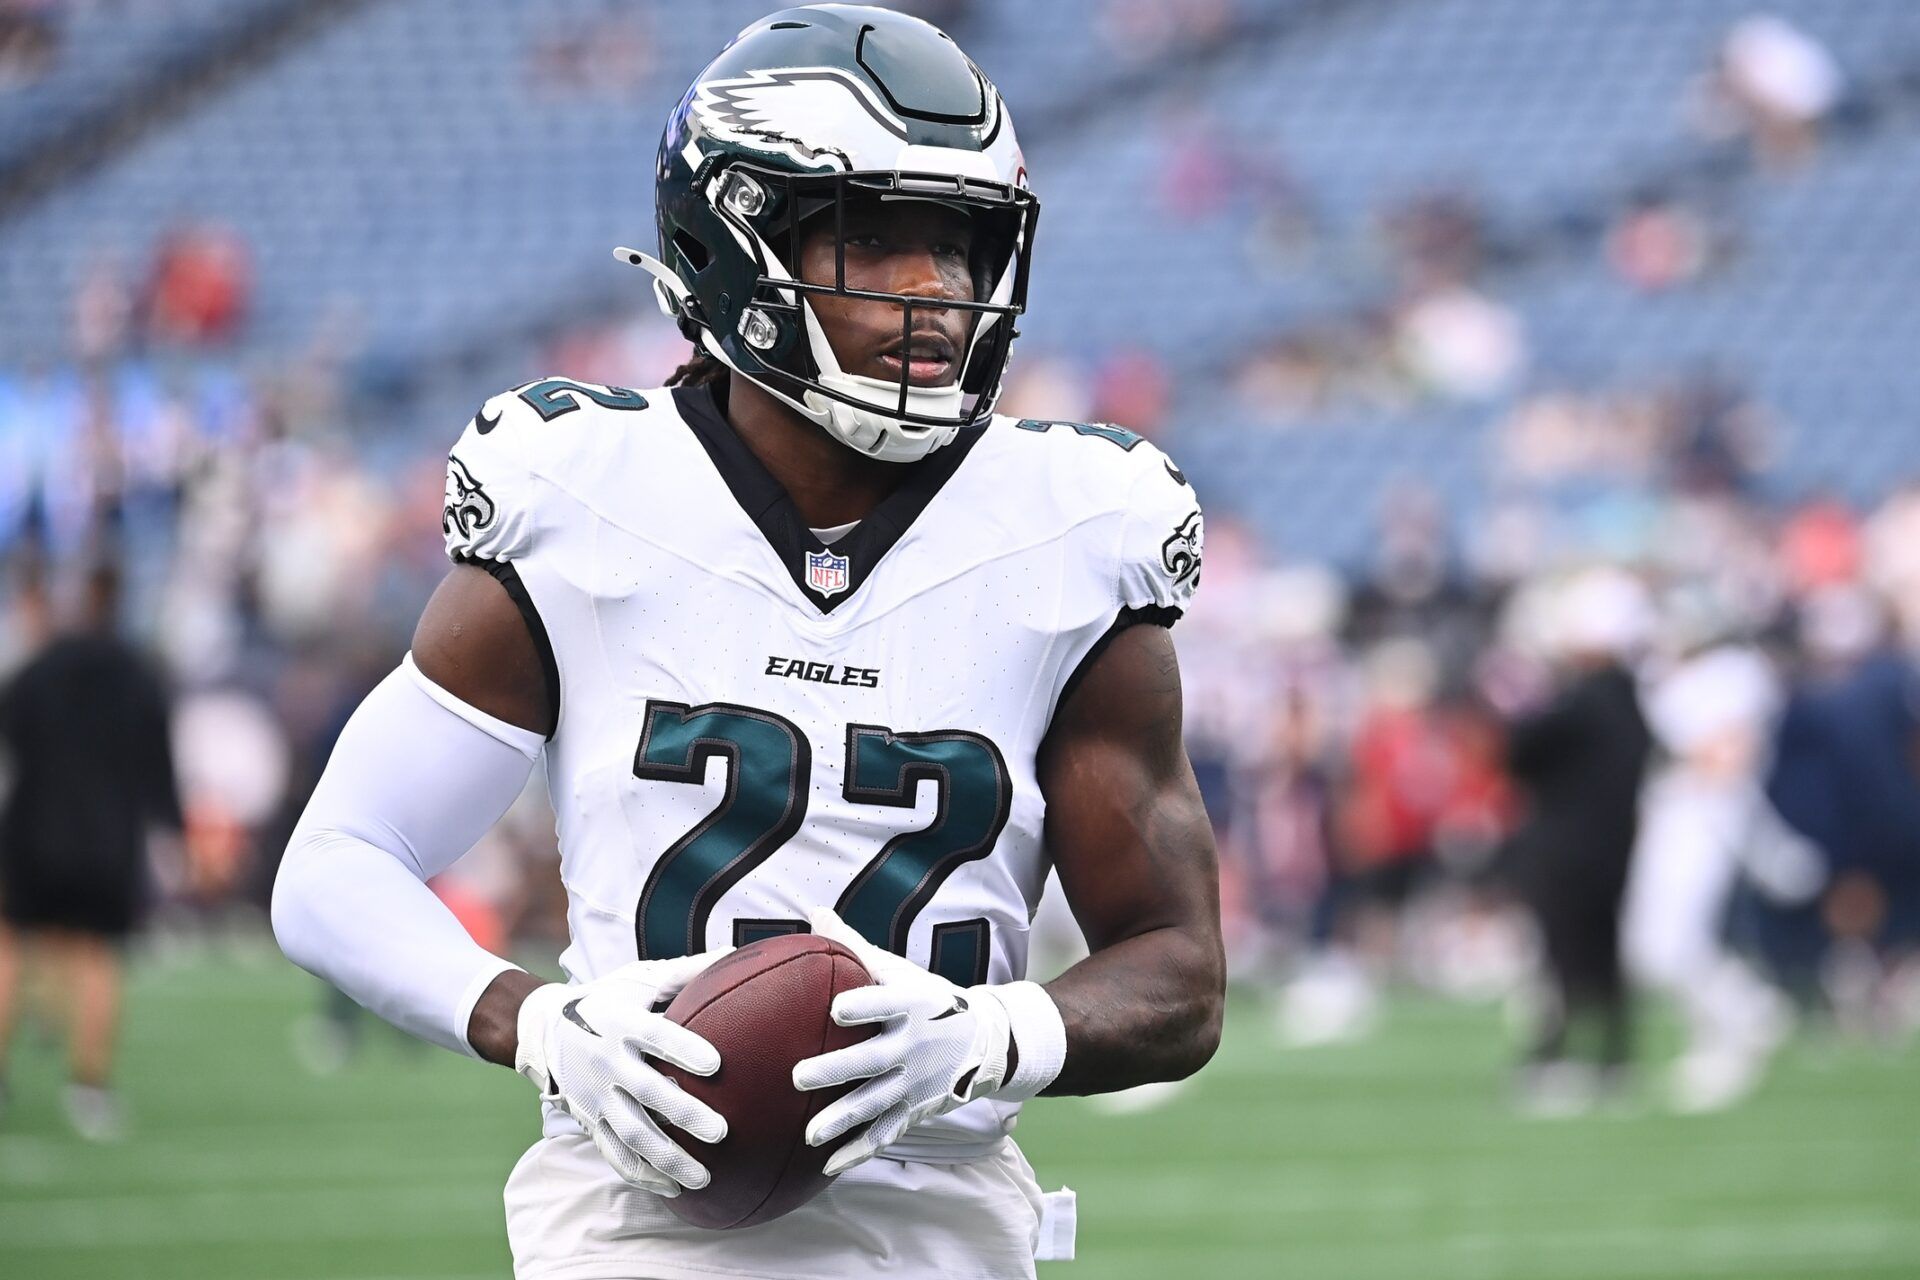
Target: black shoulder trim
point(507, 576)
point(1153, 615)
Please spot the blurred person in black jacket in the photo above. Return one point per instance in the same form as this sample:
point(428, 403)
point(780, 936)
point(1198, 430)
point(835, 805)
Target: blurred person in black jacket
point(1580, 761)
point(85, 727)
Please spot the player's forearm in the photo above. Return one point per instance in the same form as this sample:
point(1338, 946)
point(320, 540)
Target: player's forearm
point(415, 779)
point(350, 913)
point(1146, 1008)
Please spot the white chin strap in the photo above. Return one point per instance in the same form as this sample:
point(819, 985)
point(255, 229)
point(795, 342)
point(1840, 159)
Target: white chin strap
point(873, 427)
point(870, 427)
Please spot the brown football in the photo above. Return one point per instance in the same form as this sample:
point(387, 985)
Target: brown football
point(764, 1007)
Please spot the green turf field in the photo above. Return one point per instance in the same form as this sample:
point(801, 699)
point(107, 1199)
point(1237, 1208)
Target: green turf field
point(1392, 1160)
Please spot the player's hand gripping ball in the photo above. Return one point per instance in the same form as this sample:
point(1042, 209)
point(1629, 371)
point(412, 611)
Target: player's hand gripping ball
point(765, 1008)
point(595, 1050)
point(939, 1047)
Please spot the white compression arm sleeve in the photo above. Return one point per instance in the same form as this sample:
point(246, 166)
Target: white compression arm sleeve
point(415, 780)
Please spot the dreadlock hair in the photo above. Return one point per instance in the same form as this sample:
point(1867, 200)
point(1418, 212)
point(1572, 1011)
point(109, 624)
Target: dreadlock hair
point(702, 370)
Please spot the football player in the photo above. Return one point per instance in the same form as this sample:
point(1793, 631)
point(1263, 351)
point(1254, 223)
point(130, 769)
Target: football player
point(807, 639)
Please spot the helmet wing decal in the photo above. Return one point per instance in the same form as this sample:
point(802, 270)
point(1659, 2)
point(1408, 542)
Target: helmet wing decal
point(776, 110)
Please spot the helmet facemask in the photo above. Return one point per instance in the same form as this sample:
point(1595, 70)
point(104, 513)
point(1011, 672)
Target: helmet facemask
point(775, 337)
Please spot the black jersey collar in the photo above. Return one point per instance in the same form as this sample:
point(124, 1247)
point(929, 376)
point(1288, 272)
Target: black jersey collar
point(827, 576)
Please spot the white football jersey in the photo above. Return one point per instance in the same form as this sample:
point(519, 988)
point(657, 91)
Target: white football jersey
point(752, 723)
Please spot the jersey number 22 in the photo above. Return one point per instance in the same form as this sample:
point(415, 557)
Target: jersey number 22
point(769, 777)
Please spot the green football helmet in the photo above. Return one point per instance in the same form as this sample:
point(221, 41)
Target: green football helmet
point(805, 110)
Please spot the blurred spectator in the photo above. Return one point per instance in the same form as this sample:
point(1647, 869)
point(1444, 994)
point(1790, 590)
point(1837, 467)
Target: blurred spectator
point(638, 349)
point(1401, 774)
point(85, 726)
point(1773, 83)
point(1579, 762)
point(1410, 571)
point(199, 288)
point(1707, 825)
point(1820, 546)
point(1287, 223)
point(1561, 432)
point(1658, 244)
point(1286, 379)
point(1199, 174)
point(609, 55)
point(1715, 434)
point(1846, 774)
point(1412, 588)
point(29, 41)
point(1437, 241)
point(1477, 811)
point(1892, 550)
point(232, 756)
point(1049, 387)
point(1460, 344)
point(1131, 388)
point(1292, 870)
point(1139, 31)
point(1700, 434)
point(103, 310)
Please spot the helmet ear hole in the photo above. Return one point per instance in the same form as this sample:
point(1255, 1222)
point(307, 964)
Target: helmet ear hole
point(691, 251)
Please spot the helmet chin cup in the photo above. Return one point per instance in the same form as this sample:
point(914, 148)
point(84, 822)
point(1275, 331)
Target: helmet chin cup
point(870, 428)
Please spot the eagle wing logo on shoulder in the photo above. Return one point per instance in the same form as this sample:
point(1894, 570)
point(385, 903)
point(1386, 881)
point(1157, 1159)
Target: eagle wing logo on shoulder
point(1180, 553)
point(469, 510)
point(792, 110)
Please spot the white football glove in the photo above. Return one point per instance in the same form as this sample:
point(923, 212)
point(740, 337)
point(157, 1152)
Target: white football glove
point(940, 1047)
point(584, 1046)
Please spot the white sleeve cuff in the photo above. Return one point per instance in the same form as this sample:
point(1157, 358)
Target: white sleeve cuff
point(1040, 1036)
point(525, 741)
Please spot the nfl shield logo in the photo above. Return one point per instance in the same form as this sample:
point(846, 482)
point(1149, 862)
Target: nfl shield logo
point(826, 572)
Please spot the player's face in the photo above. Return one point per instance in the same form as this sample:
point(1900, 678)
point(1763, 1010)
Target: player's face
point(916, 248)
